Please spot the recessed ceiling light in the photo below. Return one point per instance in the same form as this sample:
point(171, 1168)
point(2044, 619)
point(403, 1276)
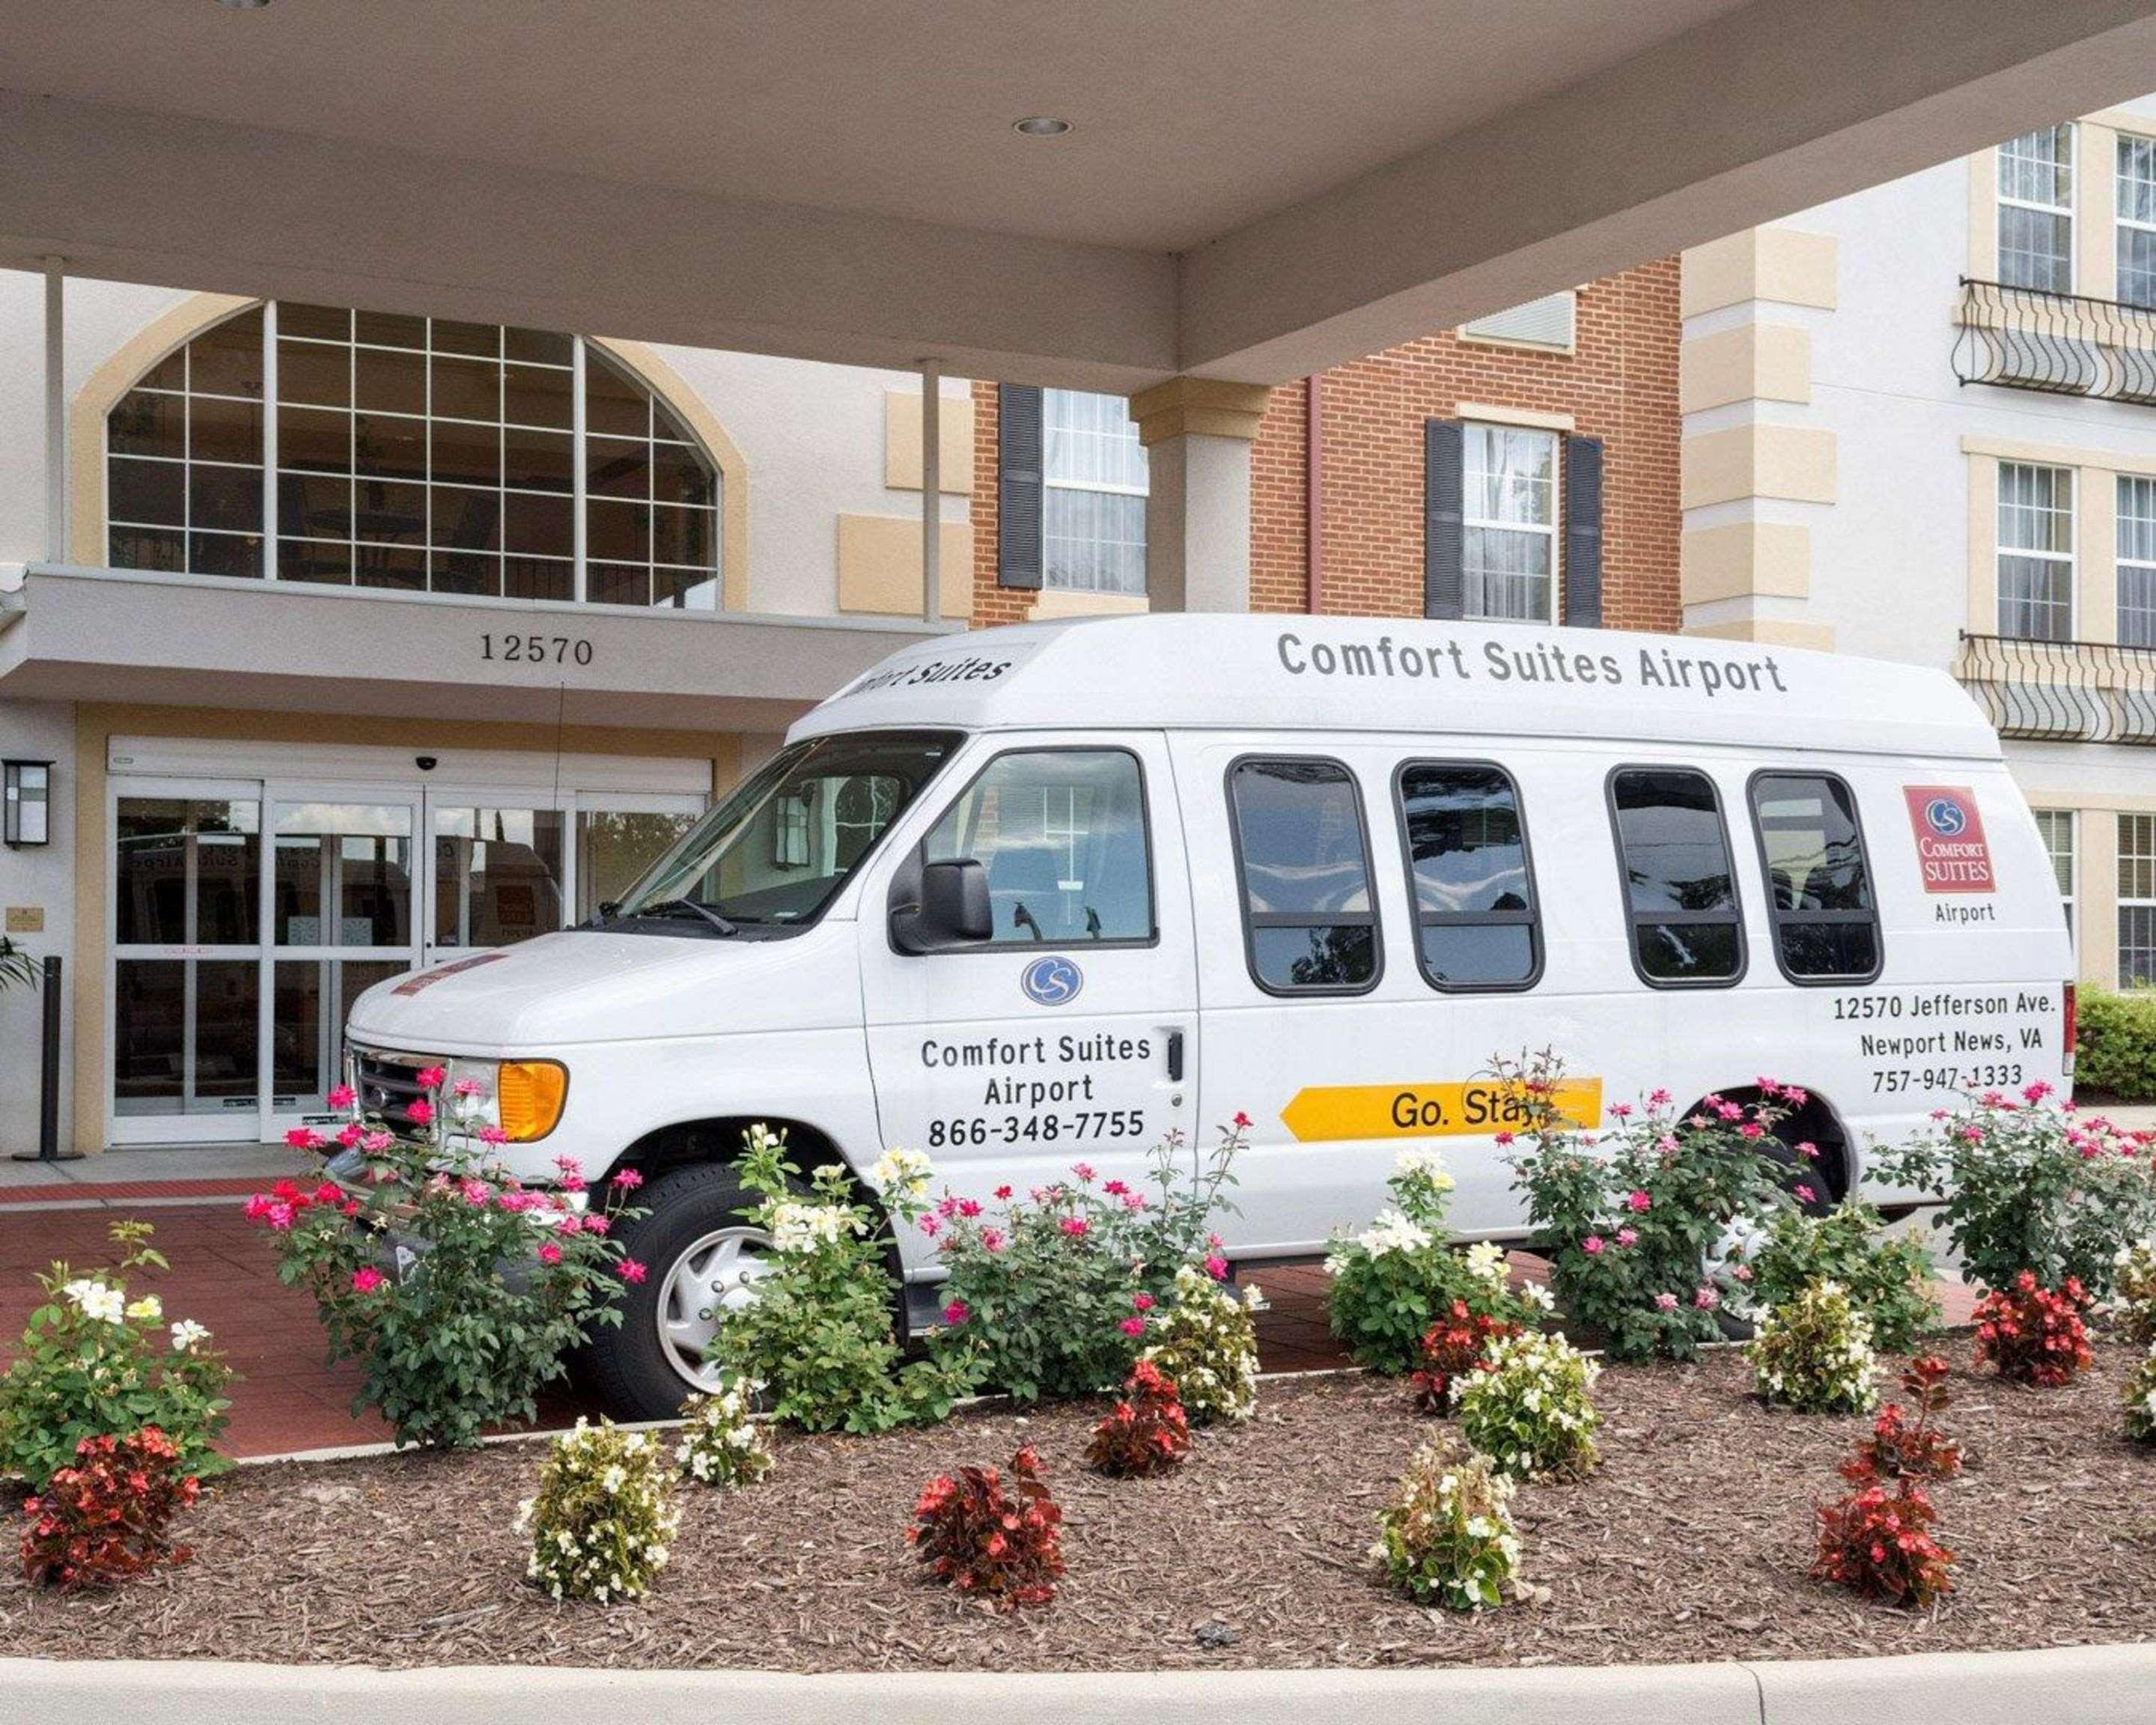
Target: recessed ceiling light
point(244, 5)
point(1041, 125)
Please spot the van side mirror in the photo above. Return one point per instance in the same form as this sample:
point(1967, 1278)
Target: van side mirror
point(953, 911)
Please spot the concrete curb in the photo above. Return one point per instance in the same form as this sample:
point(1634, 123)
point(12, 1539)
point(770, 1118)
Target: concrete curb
point(2079, 1685)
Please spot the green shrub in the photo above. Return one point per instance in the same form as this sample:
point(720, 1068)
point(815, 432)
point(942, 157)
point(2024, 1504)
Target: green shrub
point(2029, 1186)
point(820, 1335)
point(720, 1445)
point(1529, 1407)
point(1631, 1213)
point(603, 1515)
point(1052, 1291)
point(1814, 1353)
point(94, 1364)
point(1206, 1342)
point(448, 1344)
point(1887, 1280)
point(1447, 1537)
point(2134, 1292)
point(1399, 1275)
point(2115, 1049)
point(2140, 1396)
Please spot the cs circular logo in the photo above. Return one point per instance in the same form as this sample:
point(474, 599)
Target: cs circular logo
point(1051, 982)
point(1944, 816)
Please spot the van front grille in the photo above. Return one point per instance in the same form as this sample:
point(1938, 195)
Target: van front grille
point(388, 1083)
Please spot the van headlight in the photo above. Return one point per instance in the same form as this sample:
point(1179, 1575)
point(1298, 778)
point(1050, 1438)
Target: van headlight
point(523, 1097)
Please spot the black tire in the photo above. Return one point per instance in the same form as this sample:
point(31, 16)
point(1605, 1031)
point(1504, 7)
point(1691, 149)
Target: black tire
point(629, 1366)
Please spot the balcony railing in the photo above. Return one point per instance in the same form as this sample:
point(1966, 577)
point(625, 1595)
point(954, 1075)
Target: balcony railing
point(2063, 692)
point(2059, 344)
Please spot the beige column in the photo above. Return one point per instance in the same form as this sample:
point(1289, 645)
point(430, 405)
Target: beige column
point(2095, 895)
point(1198, 433)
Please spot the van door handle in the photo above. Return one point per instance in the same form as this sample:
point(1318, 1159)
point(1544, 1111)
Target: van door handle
point(1175, 1057)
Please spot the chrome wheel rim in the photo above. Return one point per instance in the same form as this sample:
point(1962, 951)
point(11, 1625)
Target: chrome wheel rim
point(716, 1276)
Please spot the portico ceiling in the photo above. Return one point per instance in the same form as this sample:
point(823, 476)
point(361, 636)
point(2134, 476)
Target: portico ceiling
point(1250, 188)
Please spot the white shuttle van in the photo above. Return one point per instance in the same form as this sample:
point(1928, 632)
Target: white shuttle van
point(1035, 895)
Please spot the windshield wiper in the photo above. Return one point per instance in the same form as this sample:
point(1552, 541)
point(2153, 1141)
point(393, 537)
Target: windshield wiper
point(675, 907)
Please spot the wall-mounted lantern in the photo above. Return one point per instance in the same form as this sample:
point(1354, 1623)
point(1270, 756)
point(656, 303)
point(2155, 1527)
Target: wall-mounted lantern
point(26, 817)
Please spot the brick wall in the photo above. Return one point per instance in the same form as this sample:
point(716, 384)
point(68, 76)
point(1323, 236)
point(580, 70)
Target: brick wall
point(1619, 384)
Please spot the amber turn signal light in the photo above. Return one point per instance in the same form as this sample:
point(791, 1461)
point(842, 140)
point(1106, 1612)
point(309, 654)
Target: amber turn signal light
point(531, 1093)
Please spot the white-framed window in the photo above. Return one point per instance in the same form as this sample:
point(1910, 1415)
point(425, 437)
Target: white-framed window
point(2137, 900)
point(2136, 561)
point(1093, 500)
point(1509, 519)
point(2136, 199)
point(2035, 552)
point(2036, 210)
point(2057, 827)
point(410, 454)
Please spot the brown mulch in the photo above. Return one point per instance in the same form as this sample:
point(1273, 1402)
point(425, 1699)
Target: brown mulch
point(1691, 1542)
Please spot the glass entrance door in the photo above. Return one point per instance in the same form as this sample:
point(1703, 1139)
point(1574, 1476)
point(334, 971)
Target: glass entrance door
point(342, 916)
point(248, 916)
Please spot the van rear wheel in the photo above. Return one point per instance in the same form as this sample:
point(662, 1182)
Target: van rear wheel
point(703, 1261)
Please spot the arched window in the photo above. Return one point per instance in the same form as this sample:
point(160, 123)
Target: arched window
point(411, 454)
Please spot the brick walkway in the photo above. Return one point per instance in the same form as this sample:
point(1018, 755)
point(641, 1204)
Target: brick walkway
point(222, 1276)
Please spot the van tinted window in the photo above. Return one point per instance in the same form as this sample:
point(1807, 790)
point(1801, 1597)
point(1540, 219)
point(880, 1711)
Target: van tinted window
point(1681, 891)
point(1061, 834)
point(1467, 855)
point(1304, 862)
point(1826, 928)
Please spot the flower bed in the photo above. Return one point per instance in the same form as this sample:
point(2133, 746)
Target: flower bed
point(1691, 1541)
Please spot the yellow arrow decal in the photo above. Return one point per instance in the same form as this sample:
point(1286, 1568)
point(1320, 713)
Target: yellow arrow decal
point(1329, 1112)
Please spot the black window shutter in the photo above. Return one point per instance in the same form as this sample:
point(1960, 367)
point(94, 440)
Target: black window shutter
point(1018, 468)
point(1582, 531)
point(1443, 586)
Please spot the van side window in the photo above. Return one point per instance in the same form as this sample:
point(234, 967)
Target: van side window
point(1475, 897)
point(1303, 859)
point(1061, 833)
point(1826, 926)
point(1679, 885)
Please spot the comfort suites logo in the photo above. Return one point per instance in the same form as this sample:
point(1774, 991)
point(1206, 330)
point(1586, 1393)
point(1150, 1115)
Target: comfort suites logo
point(1950, 842)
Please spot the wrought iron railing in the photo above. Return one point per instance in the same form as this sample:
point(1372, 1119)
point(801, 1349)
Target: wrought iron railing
point(2063, 691)
point(2060, 344)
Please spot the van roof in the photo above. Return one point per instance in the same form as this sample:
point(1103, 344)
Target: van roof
point(1237, 671)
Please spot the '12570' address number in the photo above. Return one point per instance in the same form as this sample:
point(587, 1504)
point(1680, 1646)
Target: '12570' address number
point(536, 650)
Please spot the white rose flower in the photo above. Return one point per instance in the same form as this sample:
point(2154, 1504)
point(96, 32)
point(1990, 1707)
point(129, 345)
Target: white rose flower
point(187, 1335)
point(94, 1299)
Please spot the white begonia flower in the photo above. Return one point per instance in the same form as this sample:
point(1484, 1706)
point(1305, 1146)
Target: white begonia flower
point(94, 1299)
point(187, 1335)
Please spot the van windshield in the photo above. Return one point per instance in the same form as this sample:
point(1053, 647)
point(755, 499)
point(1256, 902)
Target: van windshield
point(775, 853)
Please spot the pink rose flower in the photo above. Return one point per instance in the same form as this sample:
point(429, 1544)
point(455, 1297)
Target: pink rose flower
point(419, 1113)
point(1751, 1129)
point(431, 1077)
point(341, 1095)
point(957, 1312)
point(367, 1279)
point(1133, 1326)
point(1142, 1302)
point(969, 1208)
point(991, 1239)
point(1806, 1195)
point(1075, 1227)
point(930, 1226)
point(1666, 1302)
point(305, 1138)
point(1084, 1171)
point(467, 1088)
point(1591, 1245)
point(1638, 1203)
point(1216, 1266)
point(1628, 1236)
point(550, 1253)
point(596, 1225)
point(1242, 1121)
point(630, 1271)
point(1502, 1139)
point(627, 1178)
point(1706, 1298)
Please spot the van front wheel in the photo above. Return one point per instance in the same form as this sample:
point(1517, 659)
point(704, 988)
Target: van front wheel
point(702, 1262)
